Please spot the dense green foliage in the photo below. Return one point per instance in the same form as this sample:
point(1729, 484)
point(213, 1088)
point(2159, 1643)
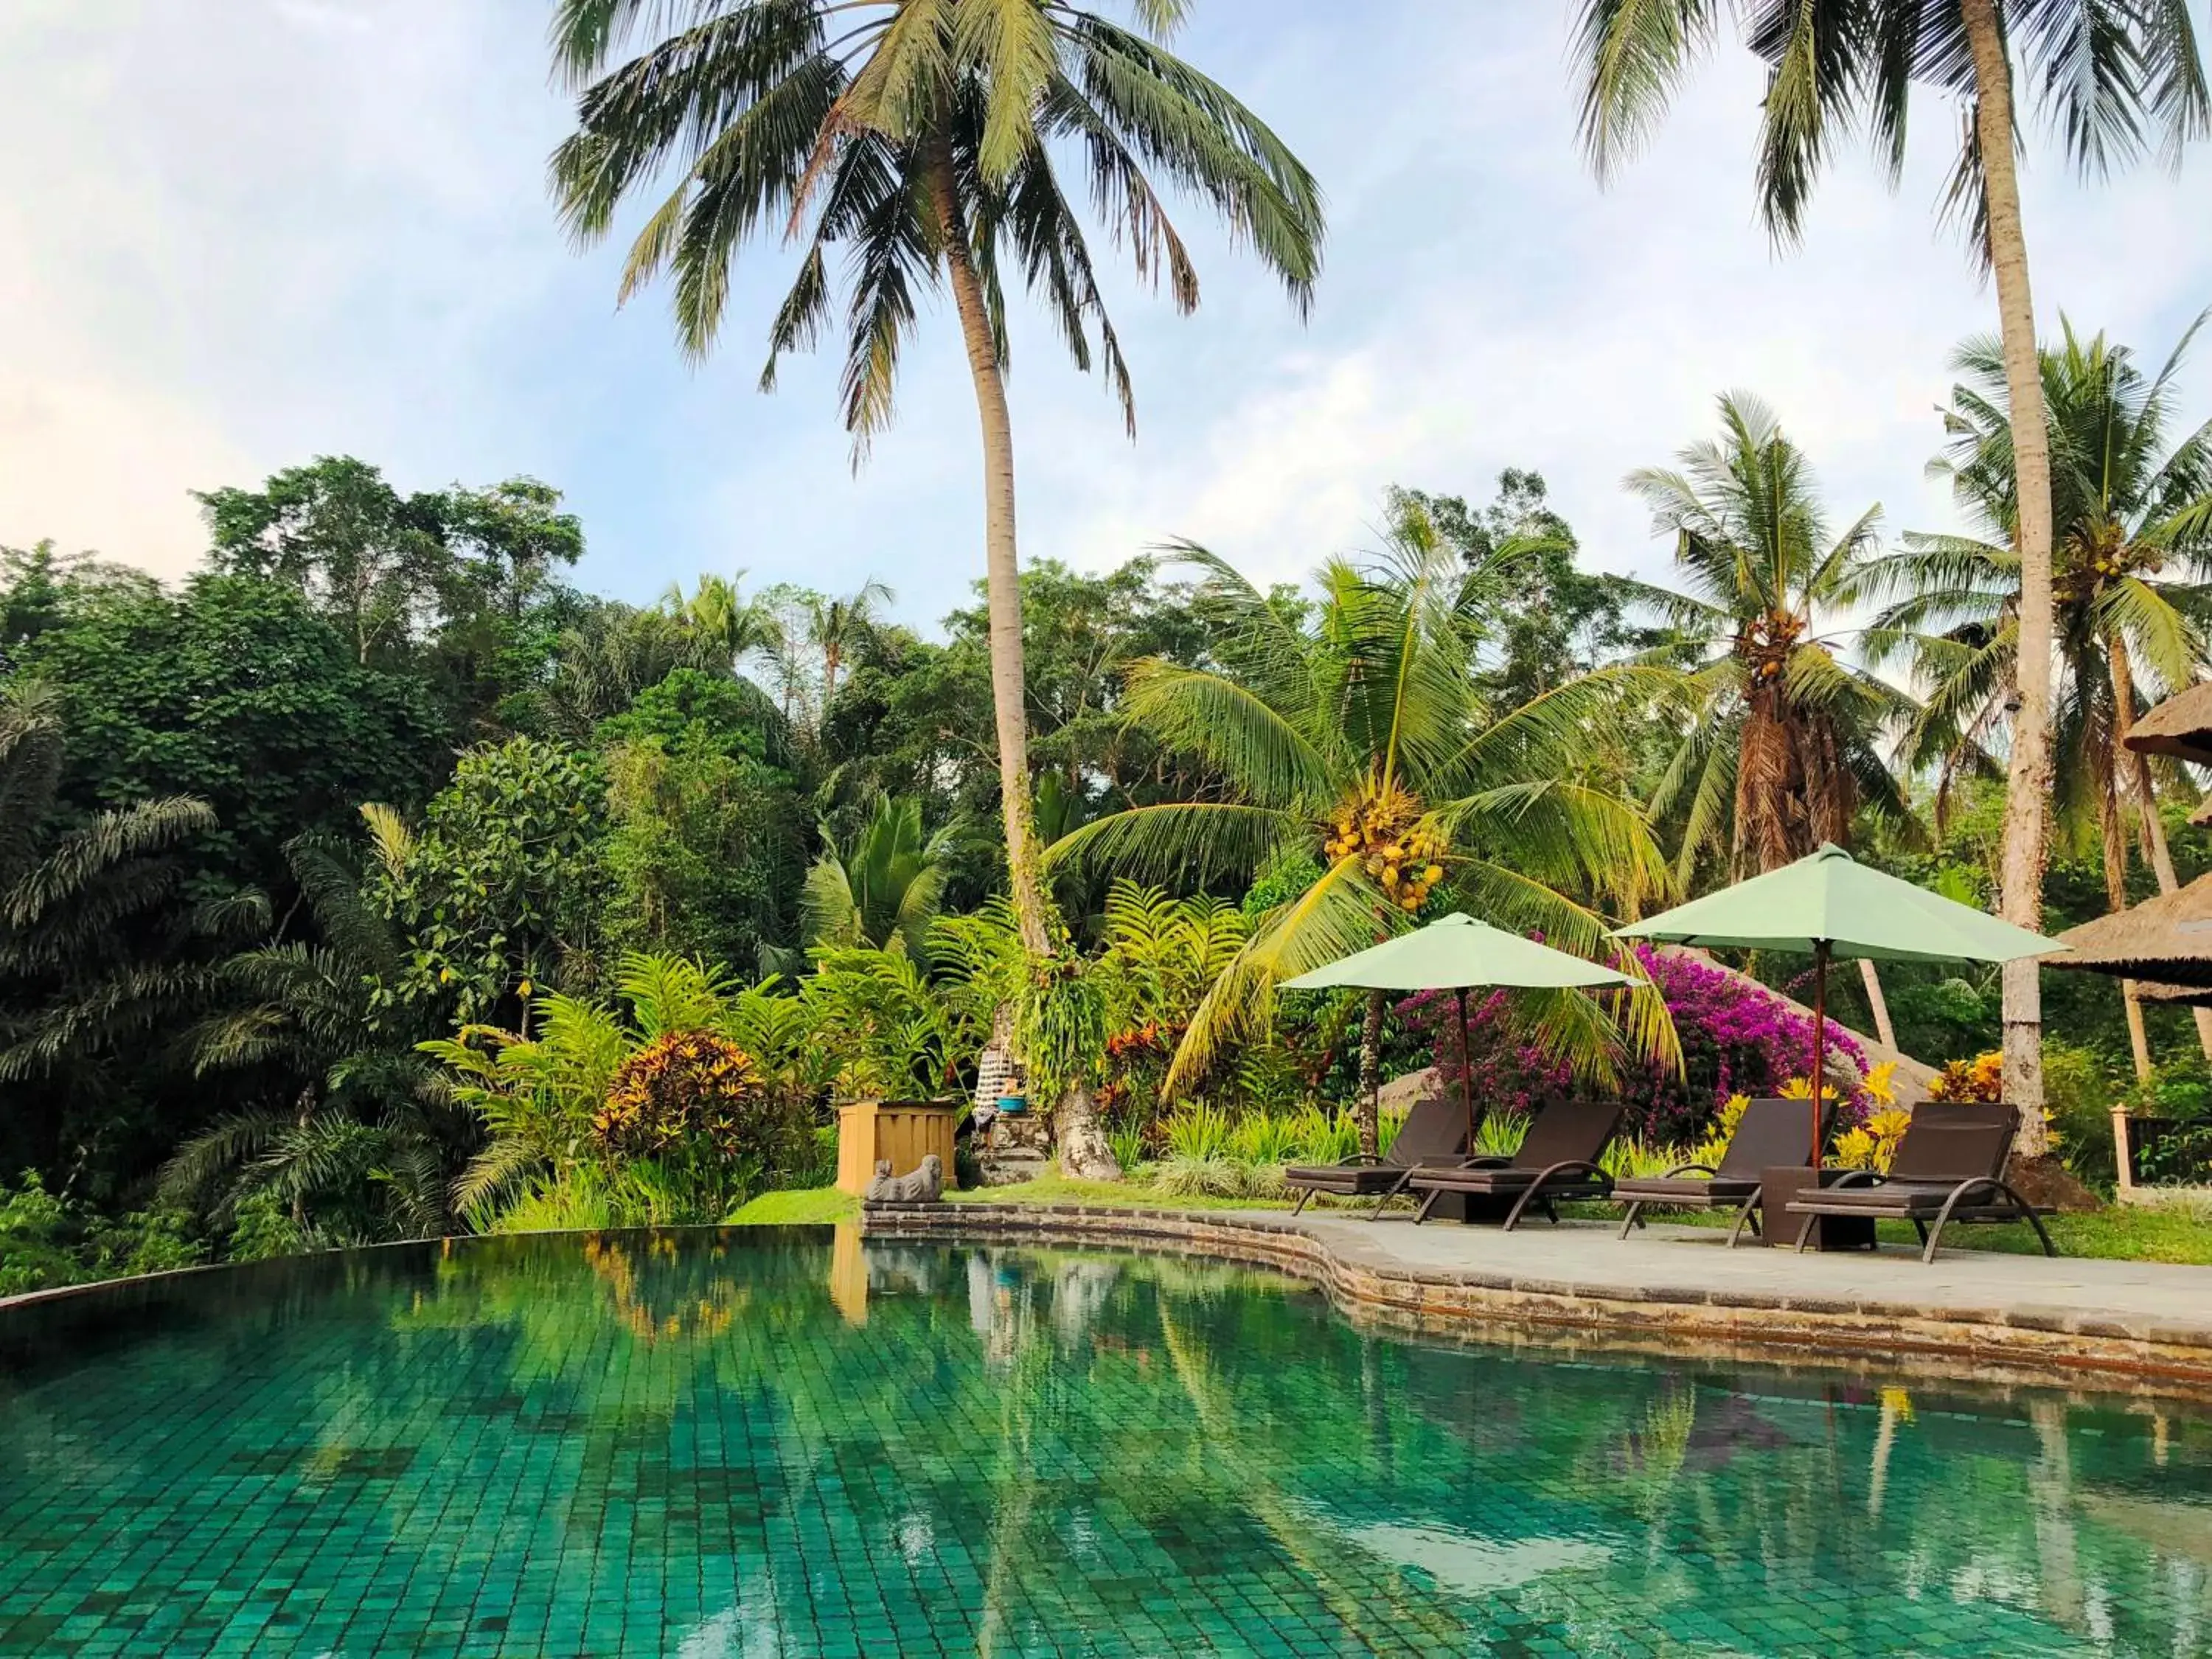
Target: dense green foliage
point(376, 881)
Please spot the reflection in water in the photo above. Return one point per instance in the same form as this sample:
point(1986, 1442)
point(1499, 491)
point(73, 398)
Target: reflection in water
point(721, 1446)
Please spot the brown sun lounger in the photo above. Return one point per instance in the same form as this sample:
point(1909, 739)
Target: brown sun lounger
point(1558, 1158)
point(1949, 1167)
point(1434, 1132)
point(1771, 1133)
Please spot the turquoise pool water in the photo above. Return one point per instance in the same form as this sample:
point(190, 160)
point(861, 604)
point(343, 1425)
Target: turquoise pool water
point(772, 1443)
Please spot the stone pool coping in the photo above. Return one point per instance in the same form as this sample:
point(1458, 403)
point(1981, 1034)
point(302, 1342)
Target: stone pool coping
point(2072, 1323)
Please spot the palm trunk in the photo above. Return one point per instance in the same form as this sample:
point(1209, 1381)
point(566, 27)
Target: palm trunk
point(1870, 978)
point(2137, 768)
point(2116, 900)
point(1002, 577)
point(1370, 1078)
point(1084, 1151)
point(2029, 774)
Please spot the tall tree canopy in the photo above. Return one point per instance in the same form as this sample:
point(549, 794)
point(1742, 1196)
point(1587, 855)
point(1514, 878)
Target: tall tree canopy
point(1358, 745)
point(1787, 742)
point(922, 140)
point(2114, 75)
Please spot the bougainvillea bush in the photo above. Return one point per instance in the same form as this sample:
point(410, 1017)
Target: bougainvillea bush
point(1737, 1038)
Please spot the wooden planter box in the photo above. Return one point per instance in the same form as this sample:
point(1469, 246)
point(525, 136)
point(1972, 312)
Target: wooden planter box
point(904, 1130)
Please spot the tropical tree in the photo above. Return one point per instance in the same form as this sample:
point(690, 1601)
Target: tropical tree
point(718, 611)
point(2109, 70)
point(352, 1132)
point(886, 886)
point(617, 651)
point(92, 933)
point(1785, 744)
point(1784, 748)
point(1357, 747)
point(2133, 512)
point(835, 626)
point(918, 139)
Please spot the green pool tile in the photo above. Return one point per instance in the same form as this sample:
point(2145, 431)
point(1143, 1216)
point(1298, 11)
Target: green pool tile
point(689, 1446)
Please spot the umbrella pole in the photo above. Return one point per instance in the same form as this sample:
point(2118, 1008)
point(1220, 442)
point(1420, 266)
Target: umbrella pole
point(1819, 1077)
point(1465, 1071)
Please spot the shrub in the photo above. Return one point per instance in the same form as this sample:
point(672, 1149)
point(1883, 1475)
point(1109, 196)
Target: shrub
point(1184, 1176)
point(690, 1111)
point(1736, 1037)
point(1198, 1132)
point(2078, 1094)
point(1320, 1136)
point(680, 1089)
point(1979, 1079)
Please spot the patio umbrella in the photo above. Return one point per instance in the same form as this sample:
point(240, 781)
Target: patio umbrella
point(1457, 953)
point(1832, 906)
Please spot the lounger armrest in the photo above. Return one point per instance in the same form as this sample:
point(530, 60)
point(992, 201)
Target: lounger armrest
point(1357, 1161)
point(1860, 1178)
point(1487, 1161)
point(1689, 1169)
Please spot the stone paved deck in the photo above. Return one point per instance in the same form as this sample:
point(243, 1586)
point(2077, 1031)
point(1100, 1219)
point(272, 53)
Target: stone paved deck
point(2077, 1322)
point(1693, 1263)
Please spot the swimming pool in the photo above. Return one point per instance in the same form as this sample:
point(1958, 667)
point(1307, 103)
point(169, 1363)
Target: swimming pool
point(781, 1442)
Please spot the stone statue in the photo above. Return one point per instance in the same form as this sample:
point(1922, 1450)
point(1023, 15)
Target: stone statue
point(922, 1187)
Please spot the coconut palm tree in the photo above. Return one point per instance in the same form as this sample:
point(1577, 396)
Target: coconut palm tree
point(835, 626)
point(1785, 744)
point(1357, 745)
point(1785, 747)
point(717, 610)
point(2109, 69)
point(918, 139)
point(2133, 512)
point(886, 886)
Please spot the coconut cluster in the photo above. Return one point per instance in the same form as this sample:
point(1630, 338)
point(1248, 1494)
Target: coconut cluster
point(1380, 825)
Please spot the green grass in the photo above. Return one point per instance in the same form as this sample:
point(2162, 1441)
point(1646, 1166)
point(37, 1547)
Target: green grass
point(1128, 1195)
point(809, 1207)
point(2116, 1234)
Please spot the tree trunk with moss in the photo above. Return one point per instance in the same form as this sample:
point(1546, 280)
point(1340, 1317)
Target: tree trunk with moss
point(2028, 774)
point(1084, 1151)
point(1370, 1078)
point(1001, 567)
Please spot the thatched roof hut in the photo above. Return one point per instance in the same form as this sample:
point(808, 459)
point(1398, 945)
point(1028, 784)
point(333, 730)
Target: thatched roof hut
point(2166, 940)
point(2181, 726)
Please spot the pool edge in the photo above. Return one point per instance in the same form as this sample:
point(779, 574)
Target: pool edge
point(2023, 1347)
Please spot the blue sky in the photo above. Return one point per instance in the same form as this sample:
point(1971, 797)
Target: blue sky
point(236, 234)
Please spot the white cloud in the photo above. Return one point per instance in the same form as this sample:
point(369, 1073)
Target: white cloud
point(239, 232)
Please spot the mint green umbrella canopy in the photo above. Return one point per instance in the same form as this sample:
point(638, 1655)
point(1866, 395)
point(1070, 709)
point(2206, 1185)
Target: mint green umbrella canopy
point(1457, 953)
point(1828, 899)
point(1832, 906)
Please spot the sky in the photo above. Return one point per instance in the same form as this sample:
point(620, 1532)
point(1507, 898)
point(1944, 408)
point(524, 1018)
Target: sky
point(235, 234)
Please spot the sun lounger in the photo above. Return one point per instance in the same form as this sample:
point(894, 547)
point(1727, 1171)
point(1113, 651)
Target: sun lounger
point(1558, 1159)
point(1434, 1132)
point(1771, 1133)
point(1949, 1167)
